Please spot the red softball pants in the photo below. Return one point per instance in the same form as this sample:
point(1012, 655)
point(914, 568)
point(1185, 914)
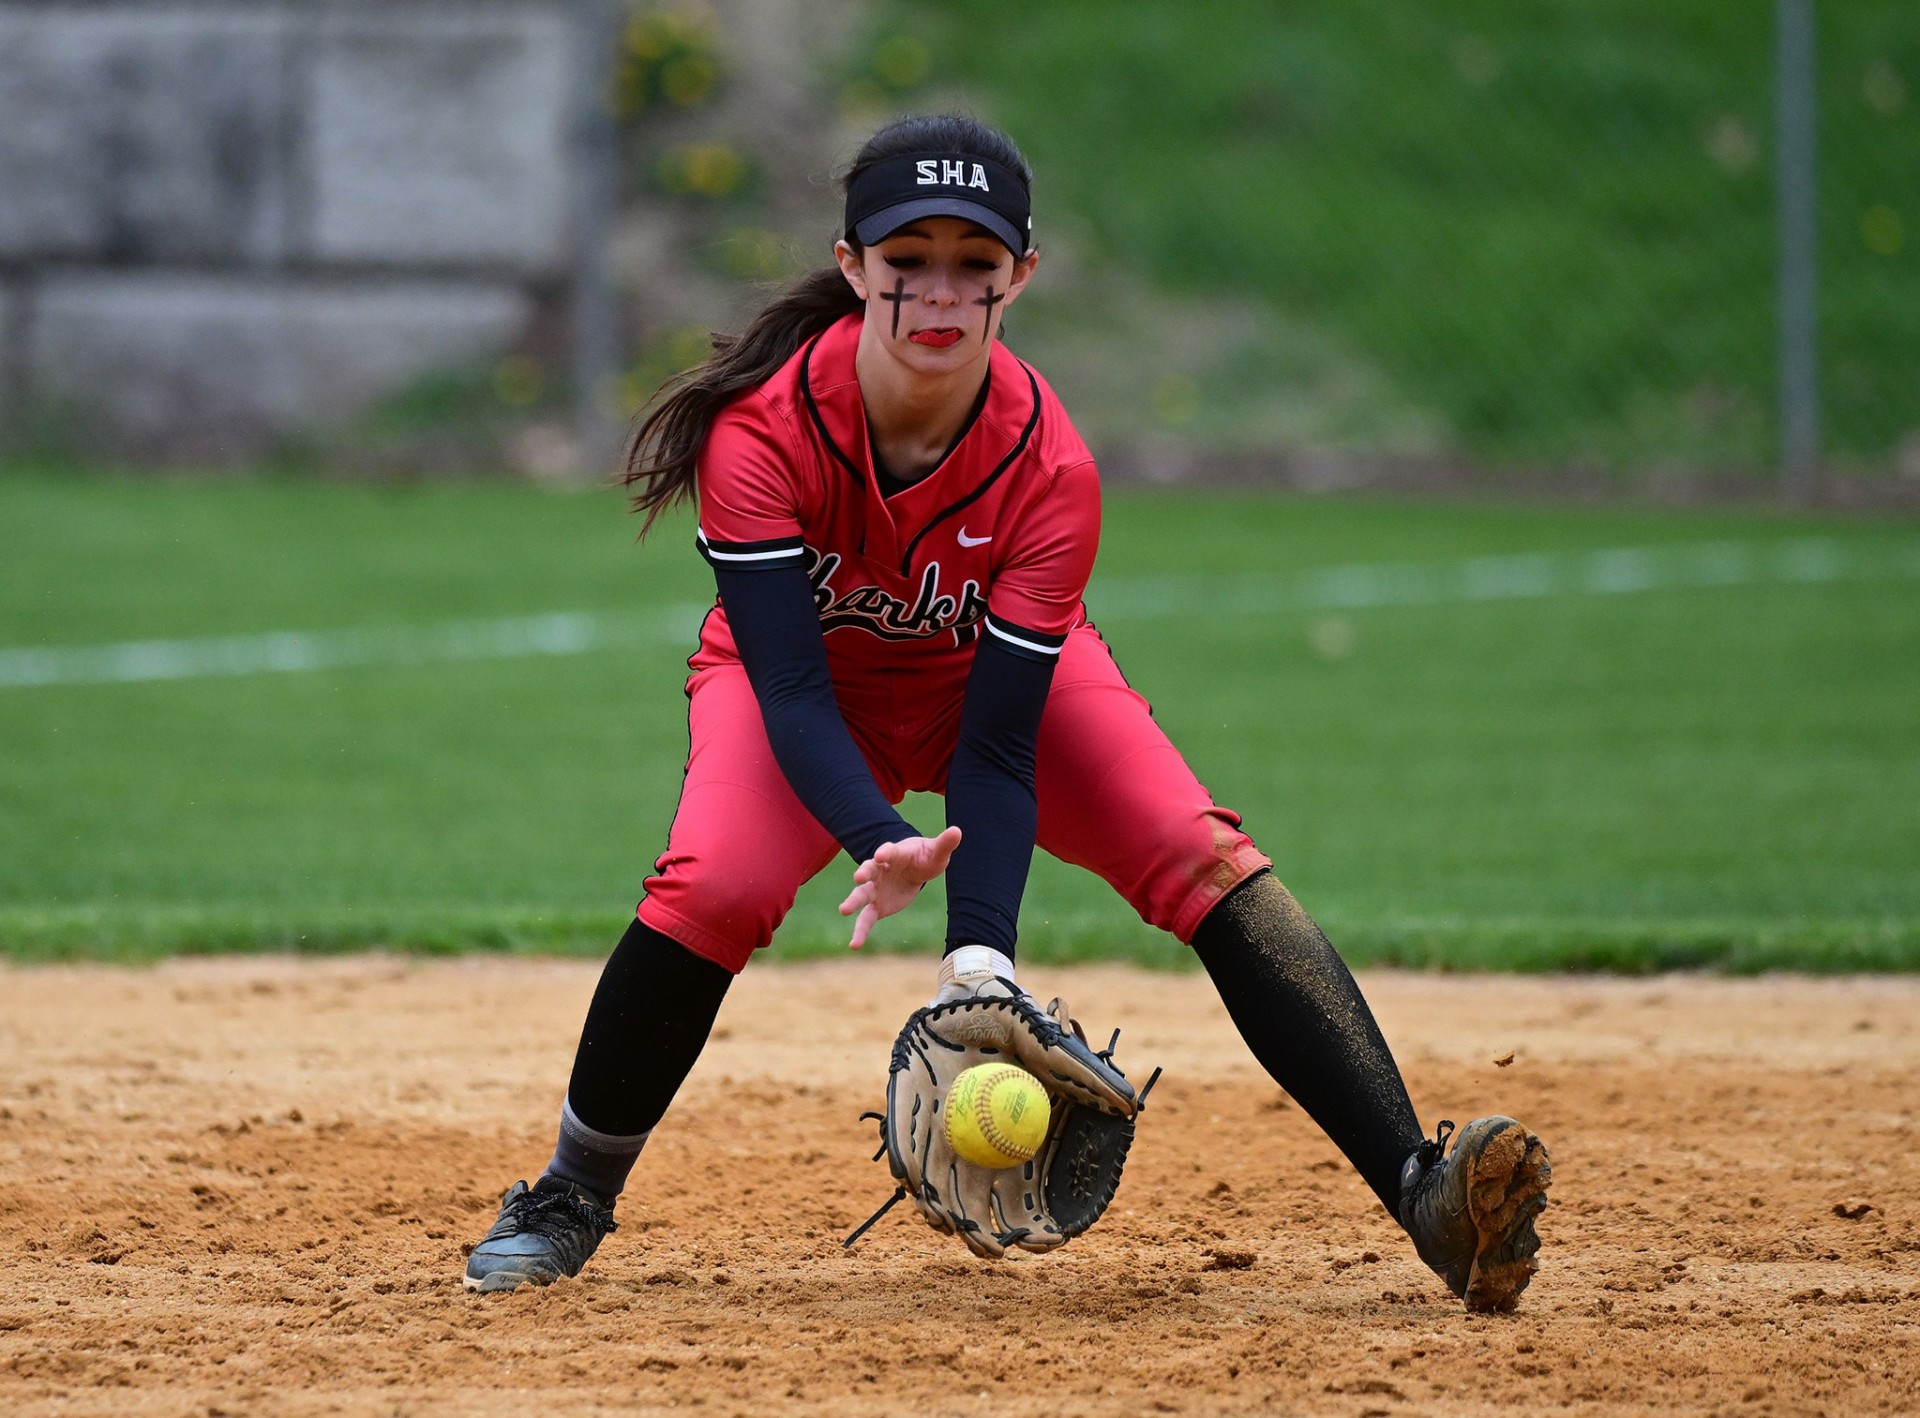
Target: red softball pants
point(1114, 796)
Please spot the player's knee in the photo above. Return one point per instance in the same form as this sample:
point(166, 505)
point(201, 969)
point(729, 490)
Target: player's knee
point(1218, 855)
point(742, 915)
point(1202, 858)
point(726, 921)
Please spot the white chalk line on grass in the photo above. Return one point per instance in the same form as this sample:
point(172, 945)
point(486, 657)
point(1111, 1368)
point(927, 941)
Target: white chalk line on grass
point(1531, 575)
point(1522, 576)
point(299, 651)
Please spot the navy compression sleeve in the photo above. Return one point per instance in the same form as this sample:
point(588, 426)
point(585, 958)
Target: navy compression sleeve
point(990, 795)
point(777, 631)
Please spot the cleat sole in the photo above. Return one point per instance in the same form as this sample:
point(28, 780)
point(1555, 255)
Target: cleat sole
point(1506, 1189)
point(500, 1280)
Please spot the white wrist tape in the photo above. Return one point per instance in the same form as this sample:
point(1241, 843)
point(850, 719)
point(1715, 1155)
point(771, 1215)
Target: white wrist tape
point(968, 968)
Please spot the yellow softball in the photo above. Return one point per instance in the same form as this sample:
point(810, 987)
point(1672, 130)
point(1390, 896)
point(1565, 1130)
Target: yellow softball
point(996, 1115)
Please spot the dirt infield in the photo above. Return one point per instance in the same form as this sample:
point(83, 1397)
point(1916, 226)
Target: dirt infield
point(245, 1186)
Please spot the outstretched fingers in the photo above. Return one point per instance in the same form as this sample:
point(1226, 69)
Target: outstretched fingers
point(863, 925)
point(889, 880)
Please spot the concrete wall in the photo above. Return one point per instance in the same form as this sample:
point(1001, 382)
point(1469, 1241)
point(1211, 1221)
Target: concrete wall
point(222, 220)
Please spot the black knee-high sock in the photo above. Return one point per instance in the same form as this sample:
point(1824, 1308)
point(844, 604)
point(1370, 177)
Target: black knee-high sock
point(1296, 1004)
point(650, 1017)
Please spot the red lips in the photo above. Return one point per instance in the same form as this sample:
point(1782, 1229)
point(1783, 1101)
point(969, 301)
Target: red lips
point(936, 339)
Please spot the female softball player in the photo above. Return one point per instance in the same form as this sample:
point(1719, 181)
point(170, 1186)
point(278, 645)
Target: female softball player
point(901, 521)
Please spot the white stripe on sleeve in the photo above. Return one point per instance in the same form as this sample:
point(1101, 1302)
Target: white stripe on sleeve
point(1021, 641)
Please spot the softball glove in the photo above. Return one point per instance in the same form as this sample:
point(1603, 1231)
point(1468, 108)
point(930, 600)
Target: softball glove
point(983, 1017)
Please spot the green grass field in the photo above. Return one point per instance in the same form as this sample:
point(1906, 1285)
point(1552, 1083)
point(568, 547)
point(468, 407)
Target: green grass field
point(1501, 750)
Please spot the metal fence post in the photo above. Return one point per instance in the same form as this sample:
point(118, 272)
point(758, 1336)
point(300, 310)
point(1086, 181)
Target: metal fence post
point(596, 353)
point(1796, 175)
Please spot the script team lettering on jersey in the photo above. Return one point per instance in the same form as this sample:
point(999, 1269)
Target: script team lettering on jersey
point(872, 609)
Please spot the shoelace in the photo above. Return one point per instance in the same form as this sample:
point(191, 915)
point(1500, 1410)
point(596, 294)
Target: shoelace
point(1429, 1152)
point(557, 1214)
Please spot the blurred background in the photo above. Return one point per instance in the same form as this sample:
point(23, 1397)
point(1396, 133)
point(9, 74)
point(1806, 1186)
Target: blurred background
point(1511, 411)
point(1314, 239)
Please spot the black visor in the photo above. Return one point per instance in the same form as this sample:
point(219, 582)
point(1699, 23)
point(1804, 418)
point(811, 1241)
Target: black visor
point(899, 190)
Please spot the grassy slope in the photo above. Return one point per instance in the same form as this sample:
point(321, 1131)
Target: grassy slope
point(1726, 774)
point(1549, 224)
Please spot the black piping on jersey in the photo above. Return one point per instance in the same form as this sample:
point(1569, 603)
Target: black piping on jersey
point(699, 644)
point(900, 485)
point(813, 408)
point(955, 508)
point(820, 425)
point(1090, 624)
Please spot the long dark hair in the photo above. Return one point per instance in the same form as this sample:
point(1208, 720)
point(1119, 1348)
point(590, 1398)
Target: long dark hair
point(663, 447)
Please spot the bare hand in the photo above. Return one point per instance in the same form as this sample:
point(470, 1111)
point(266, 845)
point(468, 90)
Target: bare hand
point(892, 877)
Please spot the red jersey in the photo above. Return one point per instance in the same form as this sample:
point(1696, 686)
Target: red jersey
point(999, 539)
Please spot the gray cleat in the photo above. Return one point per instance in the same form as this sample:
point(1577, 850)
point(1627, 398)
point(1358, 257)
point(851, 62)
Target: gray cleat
point(544, 1232)
point(1471, 1215)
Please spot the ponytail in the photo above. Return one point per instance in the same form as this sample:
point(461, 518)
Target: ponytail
point(663, 449)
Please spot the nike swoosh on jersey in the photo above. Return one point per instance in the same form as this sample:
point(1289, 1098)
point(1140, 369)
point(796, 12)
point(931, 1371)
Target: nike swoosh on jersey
point(967, 541)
